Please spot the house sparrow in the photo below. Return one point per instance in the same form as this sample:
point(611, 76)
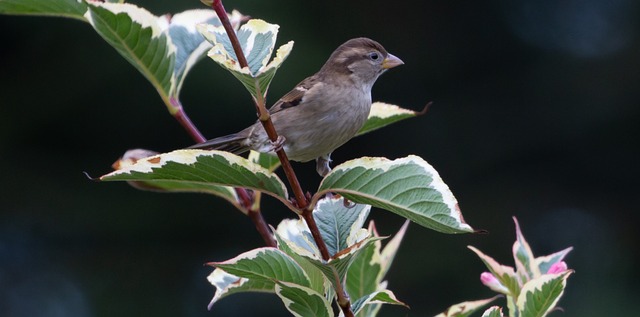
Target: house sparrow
point(323, 111)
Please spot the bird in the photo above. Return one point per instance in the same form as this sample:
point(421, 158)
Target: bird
point(322, 112)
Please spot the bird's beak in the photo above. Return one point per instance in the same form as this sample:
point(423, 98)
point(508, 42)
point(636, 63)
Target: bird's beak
point(391, 61)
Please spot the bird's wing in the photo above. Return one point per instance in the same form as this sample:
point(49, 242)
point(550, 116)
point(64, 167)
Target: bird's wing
point(294, 97)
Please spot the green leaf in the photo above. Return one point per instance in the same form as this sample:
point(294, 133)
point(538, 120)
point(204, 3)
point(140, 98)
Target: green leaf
point(257, 39)
point(316, 278)
point(383, 114)
point(302, 301)
point(298, 237)
point(409, 187)
point(363, 276)
point(369, 267)
point(523, 256)
point(267, 265)
point(338, 224)
point(544, 263)
point(505, 274)
point(340, 265)
point(465, 309)
point(378, 297)
point(201, 171)
point(227, 284)
point(494, 311)
point(132, 156)
point(163, 49)
point(266, 160)
point(539, 296)
point(141, 38)
point(74, 9)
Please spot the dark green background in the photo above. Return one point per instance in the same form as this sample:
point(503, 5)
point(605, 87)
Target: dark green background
point(535, 115)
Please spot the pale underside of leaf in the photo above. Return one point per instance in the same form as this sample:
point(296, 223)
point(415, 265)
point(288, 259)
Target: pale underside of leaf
point(338, 223)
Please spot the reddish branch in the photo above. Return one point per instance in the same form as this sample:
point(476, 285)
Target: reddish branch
point(265, 119)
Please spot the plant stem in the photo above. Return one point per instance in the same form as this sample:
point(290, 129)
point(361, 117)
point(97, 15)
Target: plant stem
point(243, 194)
point(224, 19)
point(183, 119)
point(270, 129)
point(343, 299)
point(301, 200)
point(261, 225)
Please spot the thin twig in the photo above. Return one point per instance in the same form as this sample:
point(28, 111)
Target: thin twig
point(183, 119)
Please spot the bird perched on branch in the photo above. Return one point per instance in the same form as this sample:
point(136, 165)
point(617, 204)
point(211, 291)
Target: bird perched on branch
point(323, 111)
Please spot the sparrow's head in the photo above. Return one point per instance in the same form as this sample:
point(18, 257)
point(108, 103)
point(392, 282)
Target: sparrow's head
point(362, 59)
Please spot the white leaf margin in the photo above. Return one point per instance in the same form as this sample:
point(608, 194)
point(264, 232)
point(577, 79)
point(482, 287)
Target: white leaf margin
point(436, 183)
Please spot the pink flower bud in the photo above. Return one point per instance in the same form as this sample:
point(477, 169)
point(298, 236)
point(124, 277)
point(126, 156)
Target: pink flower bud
point(492, 282)
point(557, 267)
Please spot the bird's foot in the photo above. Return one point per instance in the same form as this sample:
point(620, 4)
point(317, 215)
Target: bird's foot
point(278, 144)
point(322, 165)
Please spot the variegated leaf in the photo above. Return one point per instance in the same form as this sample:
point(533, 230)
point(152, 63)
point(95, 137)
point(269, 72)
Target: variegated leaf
point(539, 296)
point(163, 49)
point(266, 160)
point(363, 276)
point(74, 9)
point(409, 187)
point(493, 311)
point(505, 274)
point(267, 265)
point(383, 114)
point(257, 39)
point(132, 156)
point(377, 297)
point(141, 38)
point(317, 280)
point(523, 256)
point(201, 171)
point(190, 44)
point(302, 301)
point(465, 309)
point(544, 263)
point(227, 284)
point(339, 224)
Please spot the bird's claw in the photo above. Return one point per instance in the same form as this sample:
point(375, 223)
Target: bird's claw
point(278, 144)
point(323, 166)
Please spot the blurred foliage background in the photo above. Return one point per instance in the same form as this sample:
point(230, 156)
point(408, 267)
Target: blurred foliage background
point(535, 115)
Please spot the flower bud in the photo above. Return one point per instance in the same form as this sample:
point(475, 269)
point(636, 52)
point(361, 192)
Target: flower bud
point(492, 282)
point(557, 267)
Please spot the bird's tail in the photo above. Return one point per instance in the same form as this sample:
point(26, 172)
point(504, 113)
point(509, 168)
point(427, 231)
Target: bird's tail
point(231, 143)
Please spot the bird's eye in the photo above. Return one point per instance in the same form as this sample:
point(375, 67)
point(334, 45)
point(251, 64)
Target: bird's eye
point(374, 56)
